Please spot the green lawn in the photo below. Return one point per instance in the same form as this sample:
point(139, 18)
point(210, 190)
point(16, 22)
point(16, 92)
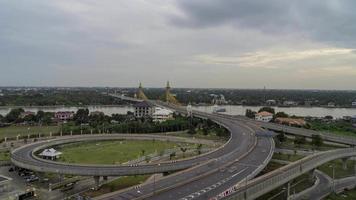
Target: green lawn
point(118, 184)
point(347, 195)
point(287, 157)
point(289, 144)
point(339, 171)
point(338, 127)
point(113, 152)
point(271, 166)
point(13, 131)
point(4, 156)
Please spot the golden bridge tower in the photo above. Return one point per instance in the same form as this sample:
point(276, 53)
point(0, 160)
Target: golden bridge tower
point(140, 94)
point(170, 98)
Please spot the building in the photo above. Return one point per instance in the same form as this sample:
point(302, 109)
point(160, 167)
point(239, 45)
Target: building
point(64, 116)
point(143, 109)
point(162, 114)
point(290, 103)
point(353, 119)
point(271, 102)
point(298, 122)
point(27, 113)
point(353, 103)
point(264, 116)
point(331, 104)
point(50, 154)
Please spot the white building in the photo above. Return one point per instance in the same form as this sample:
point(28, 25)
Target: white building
point(264, 116)
point(354, 103)
point(50, 154)
point(162, 114)
point(143, 109)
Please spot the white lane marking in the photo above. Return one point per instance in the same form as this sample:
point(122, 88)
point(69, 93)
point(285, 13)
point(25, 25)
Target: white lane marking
point(196, 194)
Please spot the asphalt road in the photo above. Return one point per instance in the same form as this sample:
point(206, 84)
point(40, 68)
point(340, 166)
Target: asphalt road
point(244, 156)
point(23, 157)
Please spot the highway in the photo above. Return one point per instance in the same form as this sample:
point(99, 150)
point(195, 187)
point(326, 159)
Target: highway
point(267, 182)
point(245, 156)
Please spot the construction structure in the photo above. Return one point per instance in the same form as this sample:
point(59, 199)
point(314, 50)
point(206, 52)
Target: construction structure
point(169, 97)
point(140, 94)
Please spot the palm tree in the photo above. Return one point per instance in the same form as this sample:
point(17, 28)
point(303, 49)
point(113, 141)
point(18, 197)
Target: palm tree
point(199, 146)
point(183, 149)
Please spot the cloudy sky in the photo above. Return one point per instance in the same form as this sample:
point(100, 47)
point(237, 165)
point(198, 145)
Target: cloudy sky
point(294, 44)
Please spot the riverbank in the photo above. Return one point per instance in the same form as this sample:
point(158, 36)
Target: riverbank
point(230, 109)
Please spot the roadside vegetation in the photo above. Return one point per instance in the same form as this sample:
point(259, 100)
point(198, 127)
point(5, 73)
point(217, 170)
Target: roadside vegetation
point(118, 184)
point(339, 127)
point(327, 168)
point(4, 156)
point(346, 195)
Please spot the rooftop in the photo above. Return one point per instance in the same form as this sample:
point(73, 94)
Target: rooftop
point(143, 104)
point(264, 114)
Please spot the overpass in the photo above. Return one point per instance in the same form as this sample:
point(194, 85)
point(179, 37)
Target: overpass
point(243, 155)
point(246, 157)
point(330, 137)
point(266, 183)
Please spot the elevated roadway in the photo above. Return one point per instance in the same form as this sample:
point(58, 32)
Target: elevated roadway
point(246, 157)
point(330, 137)
point(266, 183)
point(241, 158)
point(25, 157)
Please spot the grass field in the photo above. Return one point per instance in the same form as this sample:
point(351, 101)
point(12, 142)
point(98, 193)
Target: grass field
point(113, 152)
point(289, 144)
point(118, 184)
point(4, 156)
point(339, 171)
point(287, 157)
point(13, 131)
point(347, 195)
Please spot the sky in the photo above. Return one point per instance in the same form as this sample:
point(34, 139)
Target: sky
point(295, 44)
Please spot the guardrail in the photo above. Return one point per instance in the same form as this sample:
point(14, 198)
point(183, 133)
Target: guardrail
point(264, 184)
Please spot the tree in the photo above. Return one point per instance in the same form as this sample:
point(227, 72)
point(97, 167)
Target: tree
point(29, 118)
point(199, 147)
point(192, 130)
point(172, 155)
point(40, 115)
point(82, 116)
point(317, 140)
point(14, 114)
point(281, 137)
point(205, 130)
point(281, 114)
point(250, 114)
point(267, 109)
point(299, 140)
point(183, 149)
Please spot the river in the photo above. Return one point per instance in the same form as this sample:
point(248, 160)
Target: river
point(230, 109)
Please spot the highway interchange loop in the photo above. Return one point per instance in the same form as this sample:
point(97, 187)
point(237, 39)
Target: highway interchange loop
point(205, 176)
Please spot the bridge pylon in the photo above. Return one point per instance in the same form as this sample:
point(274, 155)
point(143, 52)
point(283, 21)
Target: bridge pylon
point(169, 97)
point(140, 94)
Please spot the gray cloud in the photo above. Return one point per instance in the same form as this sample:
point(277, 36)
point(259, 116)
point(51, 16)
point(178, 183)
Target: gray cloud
point(326, 20)
point(200, 43)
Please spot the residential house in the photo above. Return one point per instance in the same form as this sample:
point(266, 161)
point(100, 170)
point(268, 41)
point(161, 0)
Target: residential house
point(162, 114)
point(264, 116)
point(298, 122)
point(64, 115)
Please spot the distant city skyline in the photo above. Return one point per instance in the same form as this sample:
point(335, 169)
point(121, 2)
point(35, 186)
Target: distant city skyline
point(306, 44)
